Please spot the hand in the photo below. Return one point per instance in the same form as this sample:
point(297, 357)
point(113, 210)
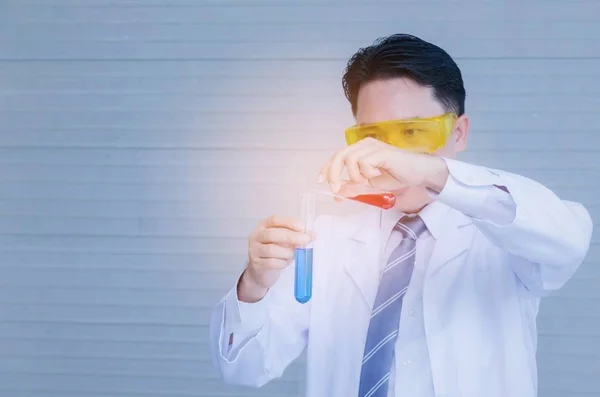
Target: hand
point(270, 249)
point(384, 166)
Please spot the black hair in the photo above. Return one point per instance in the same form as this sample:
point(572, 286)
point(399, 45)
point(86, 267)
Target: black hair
point(406, 56)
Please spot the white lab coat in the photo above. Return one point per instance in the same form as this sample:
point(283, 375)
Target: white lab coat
point(480, 298)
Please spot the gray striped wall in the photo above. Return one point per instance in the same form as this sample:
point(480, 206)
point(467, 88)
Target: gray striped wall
point(141, 140)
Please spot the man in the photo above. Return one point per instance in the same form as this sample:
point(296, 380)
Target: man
point(449, 307)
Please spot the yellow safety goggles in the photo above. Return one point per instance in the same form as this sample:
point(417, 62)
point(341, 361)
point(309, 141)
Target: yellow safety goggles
point(418, 134)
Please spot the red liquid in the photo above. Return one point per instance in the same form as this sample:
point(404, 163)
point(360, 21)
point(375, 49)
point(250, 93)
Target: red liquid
point(382, 200)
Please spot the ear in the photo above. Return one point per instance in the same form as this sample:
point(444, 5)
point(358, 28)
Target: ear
point(461, 132)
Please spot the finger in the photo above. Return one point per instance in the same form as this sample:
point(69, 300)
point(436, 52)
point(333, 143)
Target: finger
point(275, 251)
point(309, 233)
point(272, 263)
point(353, 160)
point(350, 189)
point(322, 177)
point(386, 182)
point(282, 237)
point(368, 171)
point(371, 163)
point(277, 221)
point(324, 172)
point(338, 162)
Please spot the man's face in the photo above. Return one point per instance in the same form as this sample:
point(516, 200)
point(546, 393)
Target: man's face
point(396, 99)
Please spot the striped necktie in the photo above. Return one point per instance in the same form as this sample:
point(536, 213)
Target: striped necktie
point(385, 317)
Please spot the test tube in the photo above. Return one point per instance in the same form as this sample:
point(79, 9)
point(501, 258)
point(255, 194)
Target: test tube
point(304, 254)
point(361, 193)
point(385, 200)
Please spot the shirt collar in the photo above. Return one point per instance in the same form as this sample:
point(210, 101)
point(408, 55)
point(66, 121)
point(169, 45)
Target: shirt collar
point(432, 215)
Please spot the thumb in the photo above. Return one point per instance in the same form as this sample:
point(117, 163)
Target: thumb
point(386, 181)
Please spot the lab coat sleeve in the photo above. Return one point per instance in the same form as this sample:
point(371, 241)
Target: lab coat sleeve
point(253, 343)
point(545, 238)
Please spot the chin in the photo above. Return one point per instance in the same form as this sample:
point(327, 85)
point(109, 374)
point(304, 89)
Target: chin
point(412, 199)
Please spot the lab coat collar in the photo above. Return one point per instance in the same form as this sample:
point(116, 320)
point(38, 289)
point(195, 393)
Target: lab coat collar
point(374, 227)
point(438, 217)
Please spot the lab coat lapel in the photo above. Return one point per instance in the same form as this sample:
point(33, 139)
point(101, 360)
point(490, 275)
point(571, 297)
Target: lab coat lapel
point(361, 260)
point(454, 238)
point(362, 257)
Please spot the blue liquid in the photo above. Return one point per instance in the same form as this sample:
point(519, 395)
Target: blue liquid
point(303, 275)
